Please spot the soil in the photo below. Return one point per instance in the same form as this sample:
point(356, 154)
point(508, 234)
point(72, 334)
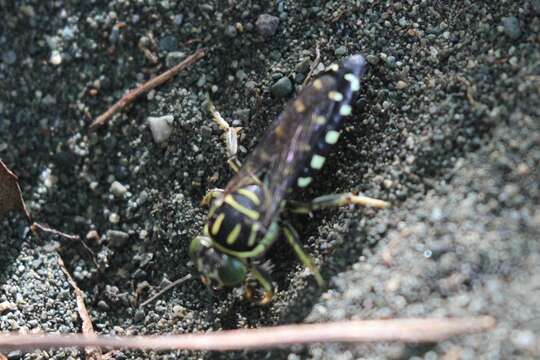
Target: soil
point(446, 128)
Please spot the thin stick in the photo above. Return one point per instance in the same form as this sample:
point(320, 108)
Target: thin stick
point(313, 65)
point(357, 331)
point(165, 289)
point(92, 352)
point(37, 226)
point(143, 88)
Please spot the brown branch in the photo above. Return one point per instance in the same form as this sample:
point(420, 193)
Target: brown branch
point(87, 327)
point(143, 88)
point(357, 331)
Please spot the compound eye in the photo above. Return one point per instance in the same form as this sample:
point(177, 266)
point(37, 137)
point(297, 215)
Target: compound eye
point(197, 247)
point(232, 272)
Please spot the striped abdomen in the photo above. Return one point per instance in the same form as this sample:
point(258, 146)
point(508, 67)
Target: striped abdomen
point(329, 116)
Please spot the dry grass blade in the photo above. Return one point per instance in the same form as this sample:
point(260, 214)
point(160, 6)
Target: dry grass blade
point(402, 330)
point(143, 88)
point(10, 193)
point(36, 227)
point(87, 327)
point(166, 288)
point(313, 65)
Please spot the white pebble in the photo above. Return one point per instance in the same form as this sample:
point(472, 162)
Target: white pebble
point(56, 58)
point(161, 127)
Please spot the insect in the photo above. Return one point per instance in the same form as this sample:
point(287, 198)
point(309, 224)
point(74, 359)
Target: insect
point(249, 215)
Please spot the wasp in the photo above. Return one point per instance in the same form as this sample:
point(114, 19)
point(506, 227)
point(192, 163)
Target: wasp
point(249, 215)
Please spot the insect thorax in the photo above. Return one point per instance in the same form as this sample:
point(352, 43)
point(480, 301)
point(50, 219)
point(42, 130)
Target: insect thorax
point(234, 222)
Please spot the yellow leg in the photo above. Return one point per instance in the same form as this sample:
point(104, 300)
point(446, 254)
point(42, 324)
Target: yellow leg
point(335, 200)
point(211, 195)
point(231, 136)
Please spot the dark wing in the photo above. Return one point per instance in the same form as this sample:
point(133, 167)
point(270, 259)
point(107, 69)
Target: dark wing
point(287, 146)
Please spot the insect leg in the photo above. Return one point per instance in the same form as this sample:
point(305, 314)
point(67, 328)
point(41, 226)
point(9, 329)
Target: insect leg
point(211, 195)
point(265, 283)
point(334, 200)
point(292, 237)
point(230, 134)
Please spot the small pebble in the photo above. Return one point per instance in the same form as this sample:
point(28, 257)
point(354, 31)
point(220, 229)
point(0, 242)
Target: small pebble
point(230, 31)
point(267, 24)
point(523, 339)
point(282, 87)
point(56, 57)
point(401, 85)
point(168, 43)
point(303, 66)
point(92, 235)
point(174, 57)
point(241, 75)
point(403, 22)
point(118, 189)
point(202, 80)
point(27, 10)
point(178, 19)
point(511, 27)
point(114, 35)
point(372, 59)
point(68, 33)
point(139, 315)
point(117, 238)
point(102, 305)
point(114, 218)
point(340, 51)
point(160, 127)
point(9, 57)
point(15, 355)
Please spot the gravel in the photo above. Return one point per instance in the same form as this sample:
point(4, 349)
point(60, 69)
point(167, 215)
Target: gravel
point(511, 27)
point(267, 25)
point(445, 128)
point(161, 127)
point(282, 87)
point(9, 57)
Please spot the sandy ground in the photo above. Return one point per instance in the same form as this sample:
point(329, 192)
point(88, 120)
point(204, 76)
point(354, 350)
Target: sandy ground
point(446, 128)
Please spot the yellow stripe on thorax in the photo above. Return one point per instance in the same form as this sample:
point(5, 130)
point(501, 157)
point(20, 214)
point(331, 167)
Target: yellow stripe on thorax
point(253, 234)
point(252, 214)
point(250, 195)
point(217, 223)
point(233, 235)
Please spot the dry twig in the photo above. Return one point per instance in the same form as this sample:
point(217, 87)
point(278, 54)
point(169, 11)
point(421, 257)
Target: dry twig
point(357, 331)
point(165, 289)
point(87, 327)
point(37, 226)
point(143, 88)
point(313, 65)
point(470, 91)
